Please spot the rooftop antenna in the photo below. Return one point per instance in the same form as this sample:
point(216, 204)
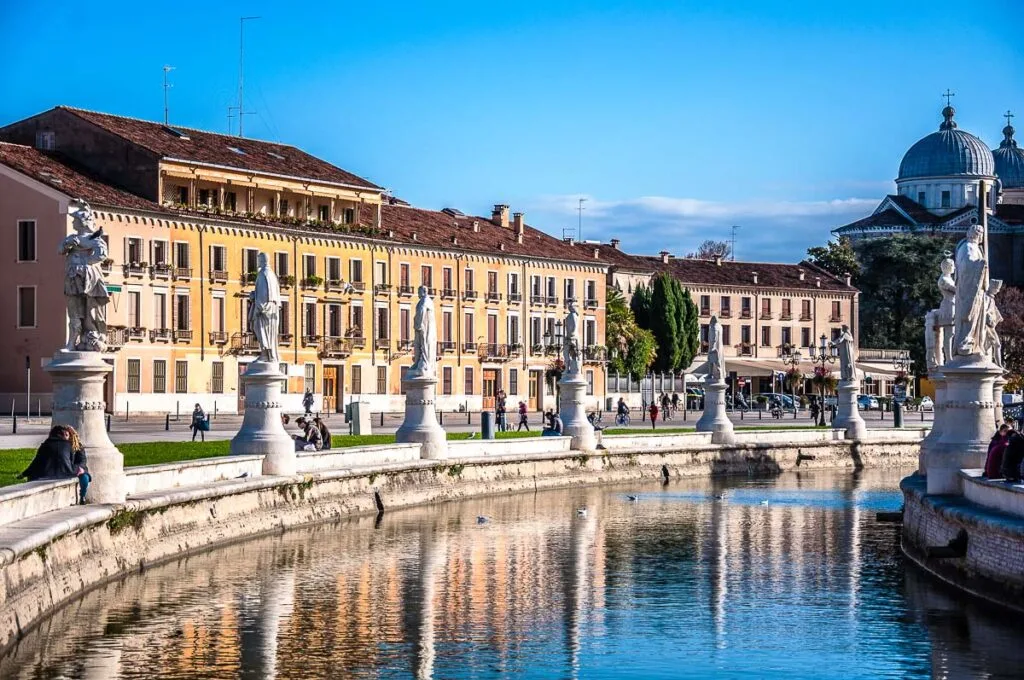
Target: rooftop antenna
point(167, 86)
point(231, 114)
point(579, 221)
point(733, 246)
point(241, 72)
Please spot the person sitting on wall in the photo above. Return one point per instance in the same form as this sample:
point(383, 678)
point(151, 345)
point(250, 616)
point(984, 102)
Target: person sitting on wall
point(996, 451)
point(61, 456)
point(310, 439)
point(554, 428)
point(1012, 457)
point(325, 434)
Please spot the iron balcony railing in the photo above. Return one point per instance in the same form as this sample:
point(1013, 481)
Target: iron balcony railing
point(331, 347)
point(218, 337)
point(160, 334)
point(243, 343)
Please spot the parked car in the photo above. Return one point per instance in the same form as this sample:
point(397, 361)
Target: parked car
point(866, 402)
point(927, 404)
point(785, 399)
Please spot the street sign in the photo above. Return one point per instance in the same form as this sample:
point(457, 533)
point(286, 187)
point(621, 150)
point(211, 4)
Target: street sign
point(741, 382)
point(899, 393)
point(113, 288)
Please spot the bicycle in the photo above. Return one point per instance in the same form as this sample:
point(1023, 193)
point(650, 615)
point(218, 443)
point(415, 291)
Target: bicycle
point(622, 419)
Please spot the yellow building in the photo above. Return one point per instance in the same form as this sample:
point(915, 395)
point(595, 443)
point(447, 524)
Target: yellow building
point(186, 212)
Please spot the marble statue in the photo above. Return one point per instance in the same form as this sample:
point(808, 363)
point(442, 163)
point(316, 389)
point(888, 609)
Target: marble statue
point(571, 346)
point(84, 290)
point(425, 339)
point(945, 312)
point(716, 358)
point(932, 340)
point(265, 310)
point(993, 346)
point(969, 309)
point(847, 354)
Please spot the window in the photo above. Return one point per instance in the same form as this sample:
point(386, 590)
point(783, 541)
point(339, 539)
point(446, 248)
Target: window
point(283, 368)
point(726, 305)
point(183, 195)
point(309, 378)
point(46, 140)
point(590, 382)
point(308, 265)
point(591, 290)
point(218, 258)
point(468, 283)
point(705, 304)
point(427, 276)
point(446, 380)
point(285, 322)
point(26, 306)
point(446, 279)
point(135, 375)
point(403, 324)
point(589, 332)
point(536, 336)
point(805, 310)
point(134, 251)
point(468, 328)
point(355, 271)
point(745, 334)
point(535, 289)
point(446, 326)
point(323, 212)
point(382, 380)
point(333, 321)
point(726, 335)
point(403, 275)
point(513, 285)
point(382, 323)
point(181, 259)
point(766, 308)
point(469, 380)
point(513, 381)
point(513, 330)
point(766, 336)
point(333, 269)
point(26, 240)
point(805, 337)
point(357, 379)
point(787, 311)
point(551, 287)
point(492, 329)
point(920, 197)
point(180, 376)
point(181, 311)
point(787, 336)
point(159, 252)
point(837, 313)
point(250, 260)
point(349, 216)
point(705, 334)
point(217, 381)
point(281, 264)
point(204, 197)
point(309, 319)
point(357, 321)
point(945, 199)
point(382, 273)
point(159, 376)
point(160, 310)
point(745, 307)
point(231, 201)
point(492, 282)
point(282, 207)
point(134, 308)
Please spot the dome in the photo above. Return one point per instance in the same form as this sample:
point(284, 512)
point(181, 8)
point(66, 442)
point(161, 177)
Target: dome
point(1009, 160)
point(947, 152)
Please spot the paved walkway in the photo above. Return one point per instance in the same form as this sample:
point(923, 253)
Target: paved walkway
point(151, 429)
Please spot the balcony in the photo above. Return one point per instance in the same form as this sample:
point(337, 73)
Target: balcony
point(405, 346)
point(405, 291)
point(334, 285)
point(135, 269)
point(786, 350)
point(537, 300)
point(745, 349)
point(703, 347)
point(248, 278)
point(310, 340)
point(183, 335)
point(785, 316)
point(381, 289)
point(492, 351)
point(218, 276)
point(311, 282)
point(446, 347)
point(357, 340)
point(107, 266)
point(835, 318)
point(242, 343)
point(468, 347)
point(358, 286)
point(765, 316)
point(183, 273)
point(725, 313)
point(515, 298)
point(537, 350)
point(805, 316)
point(218, 338)
point(334, 348)
point(469, 295)
point(448, 294)
point(160, 335)
point(705, 311)
point(595, 354)
point(284, 338)
point(551, 301)
point(160, 271)
point(745, 314)
point(590, 303)
point(136, 333)
point(286, 281)
point(116, 337)
point(382, 344)
point(493, 297)
point(515, 349)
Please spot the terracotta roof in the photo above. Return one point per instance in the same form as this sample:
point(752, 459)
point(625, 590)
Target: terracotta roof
point(67, 180)
point(917, 212)
point(623, 260)
point(886, 218)
point(242, 153)
point(769, 274)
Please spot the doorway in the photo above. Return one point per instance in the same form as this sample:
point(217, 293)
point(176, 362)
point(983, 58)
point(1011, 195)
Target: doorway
point(491, 386)
point(536, 390)
point(334, 389)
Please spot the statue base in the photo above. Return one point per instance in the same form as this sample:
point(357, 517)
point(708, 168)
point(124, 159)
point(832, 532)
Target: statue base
point(968, 414)
point(572, 392)
point(420, 425)
point(78, 401)
point(714, 418)
point(938, 417)
point(997, 398)
point(262, 432)
point(847, 413)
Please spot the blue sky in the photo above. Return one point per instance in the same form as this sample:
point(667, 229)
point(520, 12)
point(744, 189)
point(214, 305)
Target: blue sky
point(674, 119)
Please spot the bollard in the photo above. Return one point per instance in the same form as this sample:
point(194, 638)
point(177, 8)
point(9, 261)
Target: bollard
point(14, 424)
point(177, 411)
point(759, 412)
point(486, 425)
point(382, 418)
point(742, 413)
point(922, 414)
point(897, 415)
point(126, 411)
point(167, 422)
point(215, 410)
point(469, 417)
point(440, 415)
point(108, 421)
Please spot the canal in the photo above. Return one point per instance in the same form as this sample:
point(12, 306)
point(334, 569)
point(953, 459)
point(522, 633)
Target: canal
point(727, 578)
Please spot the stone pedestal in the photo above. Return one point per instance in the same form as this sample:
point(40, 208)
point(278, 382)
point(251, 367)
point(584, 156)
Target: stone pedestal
point(262, 432)
point(572, 393)
point(78, 401)
point(938, 417)
point(847, 412)
point(420, 425)
point(969, 415)
point(714, 419)
point(997, 398)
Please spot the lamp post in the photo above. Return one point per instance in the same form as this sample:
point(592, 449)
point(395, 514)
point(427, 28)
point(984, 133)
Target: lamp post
point(901, 362)
point(793, 360)
point(824, 355)
point(556, 340)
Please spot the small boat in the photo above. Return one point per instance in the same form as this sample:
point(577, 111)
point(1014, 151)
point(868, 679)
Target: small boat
point(633, 499)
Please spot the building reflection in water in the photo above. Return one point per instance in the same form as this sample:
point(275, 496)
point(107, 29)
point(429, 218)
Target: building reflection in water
point(774, 572)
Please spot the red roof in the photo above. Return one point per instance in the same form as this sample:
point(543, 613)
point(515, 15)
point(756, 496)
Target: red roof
point(241, 153)
point(769, 274)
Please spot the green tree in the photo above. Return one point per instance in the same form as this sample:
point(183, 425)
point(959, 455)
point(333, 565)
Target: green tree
point(668, 312)
point(631, 349)
point(691, 329)
point(836, 257)
point(1010, 301)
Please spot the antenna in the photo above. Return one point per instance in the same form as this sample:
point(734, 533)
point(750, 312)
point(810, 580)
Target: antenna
point(579, 222)
point(241, 71)
point(231, 110)
point(167, 86)
point(733, 246)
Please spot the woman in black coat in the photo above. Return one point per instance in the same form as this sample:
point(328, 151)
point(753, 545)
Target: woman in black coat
point(59, 458)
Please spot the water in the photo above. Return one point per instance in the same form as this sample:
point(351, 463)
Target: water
point(780, 578)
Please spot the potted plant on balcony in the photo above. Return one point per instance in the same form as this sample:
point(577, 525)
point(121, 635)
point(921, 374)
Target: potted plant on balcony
point(287, 281)
point(312, 281)
point(250, 277)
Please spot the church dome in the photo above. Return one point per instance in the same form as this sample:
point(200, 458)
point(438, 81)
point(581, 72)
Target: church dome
point(1009, 160)
point(947, 152)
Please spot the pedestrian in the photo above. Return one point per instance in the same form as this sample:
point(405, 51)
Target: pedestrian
point(522, 417)
point(199, 423)
point(654, 415)
point(664, 407)
point(814, 411)
point(325, 434)
point(307, 402)
point(499, 411)
point(675, 402)
point(61, 456)
point(1012, 457)
point(996, 450)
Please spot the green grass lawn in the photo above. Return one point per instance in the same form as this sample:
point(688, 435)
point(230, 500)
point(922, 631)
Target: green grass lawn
point(13, 461)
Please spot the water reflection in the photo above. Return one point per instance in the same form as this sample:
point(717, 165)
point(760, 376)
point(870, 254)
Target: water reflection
point(728, 578)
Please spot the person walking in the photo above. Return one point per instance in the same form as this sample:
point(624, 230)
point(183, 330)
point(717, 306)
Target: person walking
point(654, 415)
point(522, 417)
point(61, 456)
point(307, 402)
point(665, 403)
point(675, 402)
point(199, 423)
point(499, 411)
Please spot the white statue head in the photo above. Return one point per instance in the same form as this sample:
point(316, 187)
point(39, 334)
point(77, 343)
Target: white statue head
point(714, 320)
point(261, 260)
point(975, 233)
point(422, 292)
point(846, 329)
point(82, 218)
point(947, 266)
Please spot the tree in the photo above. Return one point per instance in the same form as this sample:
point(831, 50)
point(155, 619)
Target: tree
point(836, 257)
point(631, 348)
point(668, 312)
point(709, 250)
point(1011, 332)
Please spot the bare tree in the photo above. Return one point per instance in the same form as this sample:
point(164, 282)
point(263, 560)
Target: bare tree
point(709, 250)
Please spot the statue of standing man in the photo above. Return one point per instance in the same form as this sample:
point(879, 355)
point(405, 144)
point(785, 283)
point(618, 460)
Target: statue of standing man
point(84, 289)
point(971, 280)
point(847, 354)
point(946, 311)
point(265, 310)
point(424, 363)
point(571, 348)
point(716, 357)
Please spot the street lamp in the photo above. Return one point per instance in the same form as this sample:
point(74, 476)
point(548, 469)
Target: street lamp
point(793, 359)
point(824, 354)
point(901, 362)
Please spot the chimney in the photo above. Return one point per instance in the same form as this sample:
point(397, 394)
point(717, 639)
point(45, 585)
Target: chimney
point(847, 278)
point(455, 240)
point(517, 222)
point(414, 236)
point(817, 281)
point(499, 216)
point(718, 260)
point(519, 238)
point(501, 247)
point(755, 276)
point(597, 253)
point(664, 256)
point(476, 227)
point(800, 273)
point(615, 243)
